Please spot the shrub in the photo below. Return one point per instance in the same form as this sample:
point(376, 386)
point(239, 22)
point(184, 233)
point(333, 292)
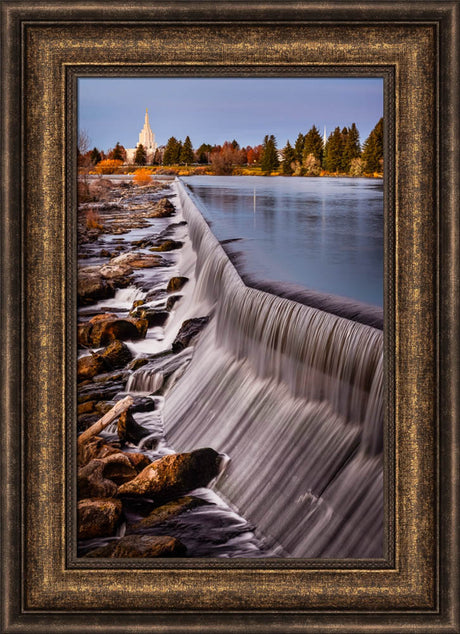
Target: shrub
point(109, 166)
point(142, 177)
point(93, 220)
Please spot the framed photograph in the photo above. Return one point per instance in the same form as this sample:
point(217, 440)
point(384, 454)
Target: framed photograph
point(230, 317)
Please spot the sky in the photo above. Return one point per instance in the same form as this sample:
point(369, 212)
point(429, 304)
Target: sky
point(214, 110)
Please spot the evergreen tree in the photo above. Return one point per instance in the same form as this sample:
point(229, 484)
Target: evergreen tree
point(298, 147)
point(235, 144)
point(118, 153)
point(172, 152)
point(334, 151)
point(186, 154)
point(140, 158)
point(352, 149)
point(343, 162)
point(269, 160)
point(373, 149)
point(288, 158)
point(203, 153)
point(313, 144)
point(95, 156)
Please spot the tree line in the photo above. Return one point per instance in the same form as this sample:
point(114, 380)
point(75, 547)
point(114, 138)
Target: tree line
point(309, 156)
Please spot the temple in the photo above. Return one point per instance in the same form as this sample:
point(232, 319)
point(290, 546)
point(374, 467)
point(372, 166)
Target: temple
point(147, 139)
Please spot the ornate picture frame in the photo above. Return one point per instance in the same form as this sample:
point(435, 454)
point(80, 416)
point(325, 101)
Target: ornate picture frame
point(46, 47)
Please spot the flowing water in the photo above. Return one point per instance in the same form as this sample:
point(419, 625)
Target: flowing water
point(293, 396)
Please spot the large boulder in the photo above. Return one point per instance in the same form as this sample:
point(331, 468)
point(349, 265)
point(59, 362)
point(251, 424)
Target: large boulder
point(189, 330)
point(108, 328)
point(174, 475)
point(141, 546)
point(115, 356)
point(98, 517)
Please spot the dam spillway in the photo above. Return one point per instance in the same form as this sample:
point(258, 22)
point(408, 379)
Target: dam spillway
point(293, 395)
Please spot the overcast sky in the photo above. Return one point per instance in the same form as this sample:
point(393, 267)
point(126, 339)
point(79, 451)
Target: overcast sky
point(217, 110)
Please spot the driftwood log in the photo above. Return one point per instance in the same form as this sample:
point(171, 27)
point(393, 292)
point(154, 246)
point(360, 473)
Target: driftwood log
point(103, 422)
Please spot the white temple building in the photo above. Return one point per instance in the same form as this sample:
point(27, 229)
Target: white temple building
point(147, 139)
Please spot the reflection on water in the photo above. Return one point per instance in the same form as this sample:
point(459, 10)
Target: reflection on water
point(323, 233)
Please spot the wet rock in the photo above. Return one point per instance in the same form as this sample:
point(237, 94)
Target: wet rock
point(115, 271)
point(119, 468)
point(138, 460)
point(188, 332)
point(167, 245)
point(142, 326)
point(165, 512)
point(111, 377)
point(174, 475)
point(91, 482)
point(129, 430)
point(176, 283)
point(104, 330)
point(98, 392)
point(89, 366)
point(138, 362)
point(163, 209)
point(141, 546)
point(86, 407)
point(116, 355)
point(104, 253)
point(155, 294)
point(98, 517)
point(138, 302)
point(91, 288)
point(172, 301)
point(153, 317)
point(137, 260)
point(94, 449)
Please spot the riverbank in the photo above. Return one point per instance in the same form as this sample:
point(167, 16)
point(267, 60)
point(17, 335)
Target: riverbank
point(135, 288)
point(207, 170)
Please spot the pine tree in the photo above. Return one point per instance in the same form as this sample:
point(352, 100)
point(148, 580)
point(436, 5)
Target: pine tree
point(140, 158)
point(203, 153)
point(172, 152)
point(298, 147)
point(352, 149)
point(95, 156)
point(334, 151)
point(288, 158)
point(186, 154)
point(373, 149)
point(118, 153)
point(313, 145)
point(269, 160)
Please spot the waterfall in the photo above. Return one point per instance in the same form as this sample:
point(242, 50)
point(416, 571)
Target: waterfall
point(293, 395)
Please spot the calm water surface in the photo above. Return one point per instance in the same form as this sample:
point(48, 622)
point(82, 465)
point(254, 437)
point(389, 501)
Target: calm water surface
point(325, 234)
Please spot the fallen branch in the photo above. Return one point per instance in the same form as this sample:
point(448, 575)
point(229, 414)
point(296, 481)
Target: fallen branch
point(103, 422)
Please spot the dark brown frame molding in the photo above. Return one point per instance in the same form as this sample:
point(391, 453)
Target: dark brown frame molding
point(414, 46)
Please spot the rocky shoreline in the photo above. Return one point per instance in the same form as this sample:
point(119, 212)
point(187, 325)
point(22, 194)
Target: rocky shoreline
point(136, 497)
